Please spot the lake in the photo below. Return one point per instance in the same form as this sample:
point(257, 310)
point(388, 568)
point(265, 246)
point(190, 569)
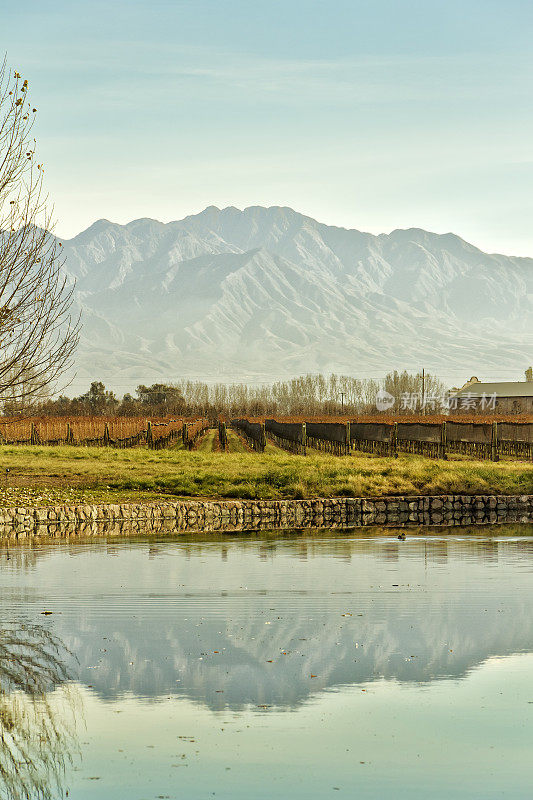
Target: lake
point(288, 666)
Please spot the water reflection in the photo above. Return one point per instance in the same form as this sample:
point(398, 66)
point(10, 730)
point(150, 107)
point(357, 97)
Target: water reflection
point(241, 622)
point(37, 719)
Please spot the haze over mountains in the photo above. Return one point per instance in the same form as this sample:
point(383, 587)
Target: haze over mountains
point(268, 293)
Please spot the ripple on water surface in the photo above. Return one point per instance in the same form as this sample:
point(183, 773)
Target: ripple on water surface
point(307, 666)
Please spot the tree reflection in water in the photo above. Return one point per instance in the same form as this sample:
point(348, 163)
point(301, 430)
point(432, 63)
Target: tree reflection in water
point(38, 709)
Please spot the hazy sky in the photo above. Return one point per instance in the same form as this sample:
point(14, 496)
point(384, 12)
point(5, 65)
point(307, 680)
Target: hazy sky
point(375, 115)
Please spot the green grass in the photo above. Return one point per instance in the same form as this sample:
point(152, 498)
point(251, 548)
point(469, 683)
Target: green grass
point(47, 475)
point(207, 442)
point(236, 444)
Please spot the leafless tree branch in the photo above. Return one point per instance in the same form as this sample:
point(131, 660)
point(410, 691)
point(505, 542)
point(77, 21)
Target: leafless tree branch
point(37, 332)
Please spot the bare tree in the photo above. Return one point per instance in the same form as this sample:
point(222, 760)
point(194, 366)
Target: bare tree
point(37, 332)
point(415, 393)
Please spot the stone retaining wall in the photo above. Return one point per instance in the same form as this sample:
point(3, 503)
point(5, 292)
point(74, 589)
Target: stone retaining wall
point(189, 516)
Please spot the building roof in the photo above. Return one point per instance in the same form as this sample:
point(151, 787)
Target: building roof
point(506, 389)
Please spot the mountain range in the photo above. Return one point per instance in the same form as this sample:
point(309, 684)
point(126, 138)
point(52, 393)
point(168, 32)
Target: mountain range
point(268, 293)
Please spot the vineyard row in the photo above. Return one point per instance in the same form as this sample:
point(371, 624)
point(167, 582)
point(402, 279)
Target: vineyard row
point(101, 432)
point(486, 440)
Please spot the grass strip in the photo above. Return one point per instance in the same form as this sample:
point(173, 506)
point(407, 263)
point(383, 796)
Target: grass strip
point(68, 474)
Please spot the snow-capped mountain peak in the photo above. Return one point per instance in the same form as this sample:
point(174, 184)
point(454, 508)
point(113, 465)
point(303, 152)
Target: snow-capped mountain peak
point(266, 293)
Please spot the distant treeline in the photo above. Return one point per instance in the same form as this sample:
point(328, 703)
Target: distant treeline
point(305, 395)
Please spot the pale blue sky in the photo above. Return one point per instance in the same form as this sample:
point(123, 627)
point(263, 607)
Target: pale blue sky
point(374, 115)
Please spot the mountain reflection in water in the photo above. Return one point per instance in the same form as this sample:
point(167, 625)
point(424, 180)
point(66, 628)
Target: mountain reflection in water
point(253, 622)
point(37, 713)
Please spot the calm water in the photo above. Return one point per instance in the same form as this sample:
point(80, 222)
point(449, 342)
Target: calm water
point(244, 667)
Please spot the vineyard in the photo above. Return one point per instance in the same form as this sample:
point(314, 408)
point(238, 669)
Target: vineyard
point(434, 437)
point(98, 459)
point(118, 432)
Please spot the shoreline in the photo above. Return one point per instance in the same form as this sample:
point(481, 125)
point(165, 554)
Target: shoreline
point(231, 516)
